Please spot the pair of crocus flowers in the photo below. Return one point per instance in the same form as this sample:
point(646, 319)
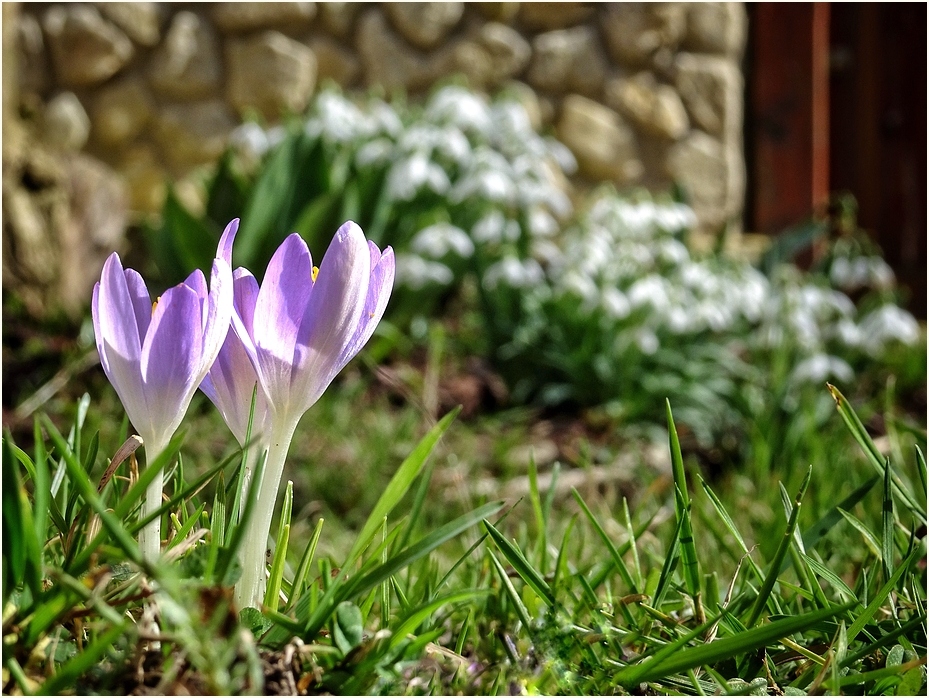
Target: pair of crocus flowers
point(290, 336)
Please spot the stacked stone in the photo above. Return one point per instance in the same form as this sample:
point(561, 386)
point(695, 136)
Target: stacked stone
point(644, 94)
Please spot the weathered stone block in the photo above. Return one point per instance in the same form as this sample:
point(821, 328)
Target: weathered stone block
point(698, 164)
point(424, 24)
point(509, 53)
point(636, 32)
point(272, 73)
point(139, 20)
point(66, 125)
point(654, 108)
point(86, 49)
point(498, 11)
point(236, 17)
point(717, 27)
point(387, 60)
point(146, 180)
point(465, 57)
point(334, 61)
point(711, 89)
point(554, 15)
point(120, 112)
point(30, 62)
point(192, 134)
point(568, 60)
point(602, 142)
point(187, 64)
point(338, 17)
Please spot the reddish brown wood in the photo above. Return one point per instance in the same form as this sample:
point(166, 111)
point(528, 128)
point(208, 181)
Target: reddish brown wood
point(878, 84)
point(789, 102)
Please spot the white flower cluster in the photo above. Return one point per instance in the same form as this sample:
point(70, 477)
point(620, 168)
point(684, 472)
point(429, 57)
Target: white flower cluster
point(623, 262)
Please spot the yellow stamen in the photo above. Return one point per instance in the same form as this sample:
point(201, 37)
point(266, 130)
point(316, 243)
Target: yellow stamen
point(155, 304)
point(315, 273)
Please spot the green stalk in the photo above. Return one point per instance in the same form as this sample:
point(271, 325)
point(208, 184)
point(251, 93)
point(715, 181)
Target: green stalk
point(249, 590)
point(150, 535)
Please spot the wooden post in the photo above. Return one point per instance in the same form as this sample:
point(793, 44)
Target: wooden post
point(789, 98)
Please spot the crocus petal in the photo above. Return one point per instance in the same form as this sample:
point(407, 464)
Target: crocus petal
point(224, 251)
point(382, 282)
point(117, 336)
point(279, 310)
point(245, 296)
point(217, 316)
point(171, 359)
point(197, 281)
point(141, 300)
point(117, 317)
point(232, 377)
point(332, 314)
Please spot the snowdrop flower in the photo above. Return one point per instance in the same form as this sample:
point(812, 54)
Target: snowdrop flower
point(848, 333)
point(336, 119)
point(306, 325)
point(251, 139)
point(581, 286)
point(615, 304)
point(514, 273)
point(674, 217)
point(887, 324)
point(458, 106)
point(414, 272)
point(408, 176)
point(440, 239)
point(542, 223)
point(650, 290)
point(373, 153)
point(819, 368)
point(562, 156)
point(489, 228)
point(851, 274)
point(647, 341)
point(384, 120)
point(547, 252)
point(156, 355)
point(673, 252)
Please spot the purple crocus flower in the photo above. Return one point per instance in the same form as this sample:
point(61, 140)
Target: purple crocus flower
point(232, 378)
point(299, 329)
point(155, 355)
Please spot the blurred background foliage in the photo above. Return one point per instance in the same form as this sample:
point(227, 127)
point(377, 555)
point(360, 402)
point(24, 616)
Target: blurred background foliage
point(602, 304)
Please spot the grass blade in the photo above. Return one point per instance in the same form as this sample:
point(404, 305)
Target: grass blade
point(518, 604)
point(677, 660)
point(887, 524)
point(418, 615)
point(399, 484)
point(774, 569)
point(878, 599)
point(66, 675)
point(273, 591)
point(614, 553)
point(871, 451)
point(515, 557)
point(338, 592)
point(303, 569)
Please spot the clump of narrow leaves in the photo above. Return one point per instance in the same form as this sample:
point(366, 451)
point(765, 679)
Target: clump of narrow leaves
point(546, 596)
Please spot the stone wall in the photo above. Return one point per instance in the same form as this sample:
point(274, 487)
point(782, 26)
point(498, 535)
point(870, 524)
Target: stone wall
point(643, 93)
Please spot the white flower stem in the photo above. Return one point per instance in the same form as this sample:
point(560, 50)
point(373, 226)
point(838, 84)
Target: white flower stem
point(150, 535)
point(250, 589)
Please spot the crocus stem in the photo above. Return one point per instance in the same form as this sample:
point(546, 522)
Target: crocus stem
point(150, 535)
point(250, 589)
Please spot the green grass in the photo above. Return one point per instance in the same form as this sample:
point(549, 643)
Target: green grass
point(667, 578)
